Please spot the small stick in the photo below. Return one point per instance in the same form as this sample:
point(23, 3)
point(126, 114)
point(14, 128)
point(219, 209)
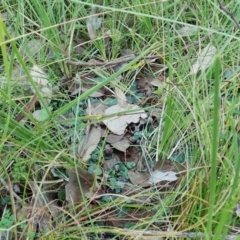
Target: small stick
point(230, 14)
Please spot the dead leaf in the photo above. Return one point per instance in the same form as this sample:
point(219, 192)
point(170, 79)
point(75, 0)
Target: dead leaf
point(96, 109)
point(159, 176)
point(118, 124)
point(29, 106)
point(80, 185)
point(122, 144)
point(93, 24)
point(113, 138)
point(143, 86)
point(204, 60)
point(122, 100)
point(40, 78)
point(164, 165)
point(139, 178)
point(163, 171)
point(90, 143)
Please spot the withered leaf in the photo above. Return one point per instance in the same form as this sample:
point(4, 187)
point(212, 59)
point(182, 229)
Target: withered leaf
point(90, 143)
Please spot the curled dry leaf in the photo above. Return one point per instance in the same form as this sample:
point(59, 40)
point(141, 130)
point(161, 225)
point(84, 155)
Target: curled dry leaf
point(40, 78)
point(204, 60)
point(90, 143)
point(118, 124)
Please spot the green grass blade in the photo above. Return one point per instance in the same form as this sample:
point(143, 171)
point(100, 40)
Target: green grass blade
point(215, 138)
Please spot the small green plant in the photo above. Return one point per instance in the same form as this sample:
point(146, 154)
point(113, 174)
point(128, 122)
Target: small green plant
point(7, 220)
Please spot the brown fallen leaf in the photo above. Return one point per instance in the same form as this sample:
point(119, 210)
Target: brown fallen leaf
point(164, 171)
point(168, 165)
point(29, 106)
point(139, 178)
point(80, 185)
point(90, 143)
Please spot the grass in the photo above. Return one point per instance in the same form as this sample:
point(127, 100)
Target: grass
point(197, 116)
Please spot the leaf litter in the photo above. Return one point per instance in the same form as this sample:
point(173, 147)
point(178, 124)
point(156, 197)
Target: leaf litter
point(115, 126)
point(124, 166)
point(118, 124)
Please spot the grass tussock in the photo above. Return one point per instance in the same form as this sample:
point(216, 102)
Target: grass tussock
point(66, 66)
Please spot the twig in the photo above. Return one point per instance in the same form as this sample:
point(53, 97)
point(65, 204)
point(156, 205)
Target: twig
point(107, 64)
point(231, 15)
